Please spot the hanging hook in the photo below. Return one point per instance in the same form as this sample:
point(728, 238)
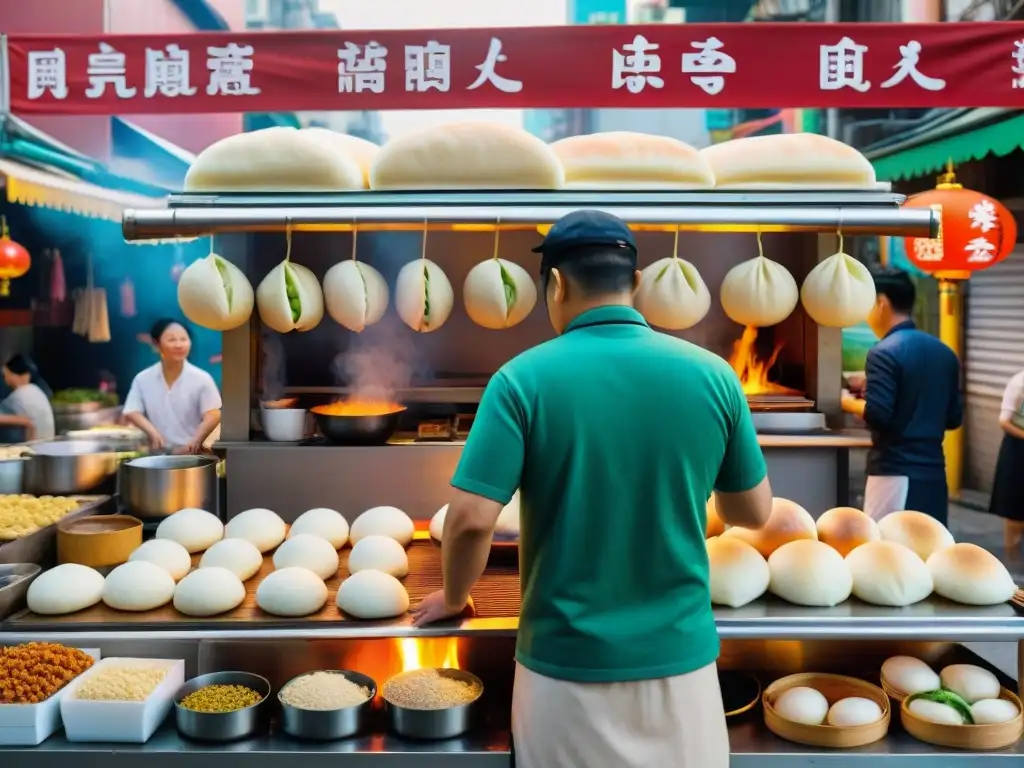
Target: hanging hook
point(675, 244)
point(497, 234)
point(423, 248)
point(760, 246)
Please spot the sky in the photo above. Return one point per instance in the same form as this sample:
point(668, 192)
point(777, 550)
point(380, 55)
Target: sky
point(439, 14)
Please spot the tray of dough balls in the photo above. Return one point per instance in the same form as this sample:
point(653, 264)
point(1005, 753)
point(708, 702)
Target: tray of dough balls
point(847, 562)
point(28, 524)
point(199, 573)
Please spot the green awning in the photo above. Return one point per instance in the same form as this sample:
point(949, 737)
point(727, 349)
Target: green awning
point(955, 140)
point(257, 121)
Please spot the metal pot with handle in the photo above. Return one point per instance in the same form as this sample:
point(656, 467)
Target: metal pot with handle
point(68, 467)
point(158, 486)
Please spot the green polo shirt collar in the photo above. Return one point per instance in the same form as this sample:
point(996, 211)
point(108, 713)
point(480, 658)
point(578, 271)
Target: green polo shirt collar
point(615, 313)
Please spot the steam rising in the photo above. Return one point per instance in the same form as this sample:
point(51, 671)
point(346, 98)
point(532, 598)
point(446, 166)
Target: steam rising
point(379, 363)
point(273, 372)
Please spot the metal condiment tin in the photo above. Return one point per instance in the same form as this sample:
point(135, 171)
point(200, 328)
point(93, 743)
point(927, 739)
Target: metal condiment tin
point(222, 726)
point(329, 724)
point(435, 724)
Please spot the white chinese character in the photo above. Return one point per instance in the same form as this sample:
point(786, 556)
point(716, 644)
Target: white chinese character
point(710, 64)
point(108, 68)
point(230, 70)
point(928, 249)
point(428, 66)
point(488, 73)
point(362, 68)
point(983, 216)
point(981, 250)
point(841, 66)
point(638, 67)
point(47, 71)
point(1018, 64)
point(910, 56)
point(167, 73)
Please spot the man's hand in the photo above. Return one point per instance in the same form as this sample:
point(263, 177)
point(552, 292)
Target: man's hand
point(434, 609)
point(852, 405)
point(156, 441)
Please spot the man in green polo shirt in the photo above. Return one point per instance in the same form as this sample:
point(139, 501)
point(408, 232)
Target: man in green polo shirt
point(616, 436)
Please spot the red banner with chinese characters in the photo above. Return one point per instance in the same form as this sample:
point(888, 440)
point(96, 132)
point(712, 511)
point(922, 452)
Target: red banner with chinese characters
point(691, 65)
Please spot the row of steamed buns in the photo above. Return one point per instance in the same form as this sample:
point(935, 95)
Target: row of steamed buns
point(896, 562)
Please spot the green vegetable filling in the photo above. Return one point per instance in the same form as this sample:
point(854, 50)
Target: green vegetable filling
point(225, 279)
point(291, 287)
point(510, 289)
point(426, 297)
point(687, 275)
point(950, 699)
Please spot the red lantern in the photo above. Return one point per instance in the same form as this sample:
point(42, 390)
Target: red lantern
point(975, 231)
point(14, 259)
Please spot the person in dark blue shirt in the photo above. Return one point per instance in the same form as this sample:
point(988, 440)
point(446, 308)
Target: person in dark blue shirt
point(912, 396)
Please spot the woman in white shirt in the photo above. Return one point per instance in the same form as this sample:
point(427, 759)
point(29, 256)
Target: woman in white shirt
point(1008, 487)
point(175, 403)
point(28, 405)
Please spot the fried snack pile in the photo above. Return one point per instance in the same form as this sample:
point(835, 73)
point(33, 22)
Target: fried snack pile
point(22, 514)
point(33, 672)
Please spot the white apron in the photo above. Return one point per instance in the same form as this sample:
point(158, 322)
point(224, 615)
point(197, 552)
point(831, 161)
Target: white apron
point(884, 494)
point(674, 722)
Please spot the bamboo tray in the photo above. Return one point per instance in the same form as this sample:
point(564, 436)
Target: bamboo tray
point(40, 547)
point(833, 688)
point(496, 596)
point(979, 737)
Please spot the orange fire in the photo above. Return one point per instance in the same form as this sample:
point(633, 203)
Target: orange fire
point(427, 653)
point(358, 408)
point(753, 371)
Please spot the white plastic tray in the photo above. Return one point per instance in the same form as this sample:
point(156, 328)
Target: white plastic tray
point(131, 722)
point(32, 724)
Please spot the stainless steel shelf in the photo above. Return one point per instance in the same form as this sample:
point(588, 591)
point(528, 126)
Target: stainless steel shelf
point(855, 212)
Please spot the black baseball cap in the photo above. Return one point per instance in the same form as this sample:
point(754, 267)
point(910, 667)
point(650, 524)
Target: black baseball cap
point(585, 228)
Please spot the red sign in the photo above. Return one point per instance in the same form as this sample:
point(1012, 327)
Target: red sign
point(655, 66)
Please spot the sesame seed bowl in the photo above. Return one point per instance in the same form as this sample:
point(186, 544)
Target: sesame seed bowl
point(325, 705)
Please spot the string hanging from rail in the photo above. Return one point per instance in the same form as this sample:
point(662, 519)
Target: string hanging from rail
point(423, 247)
point(497, 234)
point(355, 238)
point(760, 245)
point(287, 239)
point(675, 244)
point(839, 231)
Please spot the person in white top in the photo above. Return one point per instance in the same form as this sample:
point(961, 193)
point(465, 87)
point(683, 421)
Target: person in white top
point(174, 402)
point(1008, 488)
point(28, 405)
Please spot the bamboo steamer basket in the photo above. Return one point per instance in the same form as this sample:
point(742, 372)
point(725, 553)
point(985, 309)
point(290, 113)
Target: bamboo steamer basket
point(833, 688)
point(982, 737)
point(98, 541)
point(897, 697)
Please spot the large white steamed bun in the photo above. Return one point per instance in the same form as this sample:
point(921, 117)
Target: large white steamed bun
point(325, 523)
point(289, 298)
point(423, 295)
point(291, 592)
point(759, 292)
point(239, 556)
point(498, 294)
point(169, 555)
point(383, 521)
point(208, 592)
point(138, 586)
point(810, 573)
point(65, 589)
point(372, 595)
point(839, 292)
point(262, 527)
point(672, 294)
point(355, 294)
point(194, 529)
point(379, 553)
point(213, 293)
point(739, 575)
point(308, 551)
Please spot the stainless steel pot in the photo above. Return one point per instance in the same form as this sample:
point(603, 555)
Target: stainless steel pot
point(158, 486)
point(68, 467)
point(11, 475)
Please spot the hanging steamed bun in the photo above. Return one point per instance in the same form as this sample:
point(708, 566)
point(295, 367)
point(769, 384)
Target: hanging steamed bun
point(290, 299)
point(213, 293)
point(839, 292)
point(759, 292)
point(498, 294)
point(672, 294)
point(355, 294)
point(423, 296)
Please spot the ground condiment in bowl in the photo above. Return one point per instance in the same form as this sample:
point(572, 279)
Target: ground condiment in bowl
point(219, 699)
point(430, 689)
point(319, 691)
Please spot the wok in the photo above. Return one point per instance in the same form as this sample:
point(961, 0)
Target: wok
point(358, 430)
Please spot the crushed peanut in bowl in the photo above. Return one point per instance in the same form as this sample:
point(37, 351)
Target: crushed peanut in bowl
point(322, 691)
point(430, 689)
point(32, 673)
point(121, 684)
point(219, 699)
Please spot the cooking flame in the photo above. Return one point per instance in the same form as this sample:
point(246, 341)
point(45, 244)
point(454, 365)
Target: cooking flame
point(428, 653)
point(753, 371)
point(358, 408)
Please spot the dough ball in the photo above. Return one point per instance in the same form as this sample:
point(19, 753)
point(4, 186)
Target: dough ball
point(169, 555)
point(672, 294)
point(909, 676)
point(322, 522)
point(802, 705)
point(437, 523)
point(423, 296)
point(788, 522)
point(853, 712)
point(291, 592)
point(65, 589)
point(362, 151)
point(993, 711)
point(917, 531)
point(236, 555)
point(809, 573)
point(260, 526)
point(839, 292)
point(208, 591)
point(845, 528)
point(967, 574)
point(507, 525)
point(138, 586)
point(289, 298)
point(371, 595)
point(935, 712)
point(277, 159)
point(739, 575)
point(627, 160)
point(714, 526)
point(383, 521)
point(355, 294)
point(887, 573)
point(308, 551)
point(498, 294)
point(759, 292)
point(971, 683)
point(194, 529)
point(213, 293)
point(467, 155)
point(379, 553)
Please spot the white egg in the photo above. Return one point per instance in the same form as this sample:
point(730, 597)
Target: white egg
point(309, 551)
point(854, 711)
point(992, 711)
point(322, 522)
point(935, 712)
point(168, 554)
point(237, 555)
point(260, 526)
point(908, 675)
point(379, 553)
point(802, 705)
point(969, 682)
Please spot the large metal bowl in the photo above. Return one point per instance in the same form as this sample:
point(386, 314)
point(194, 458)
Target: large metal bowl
point(329, 724)
point(158, 486)
point(222, 726)
point(12, 473)
point(358, 430)
point(435, 724)
point(68, 467)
